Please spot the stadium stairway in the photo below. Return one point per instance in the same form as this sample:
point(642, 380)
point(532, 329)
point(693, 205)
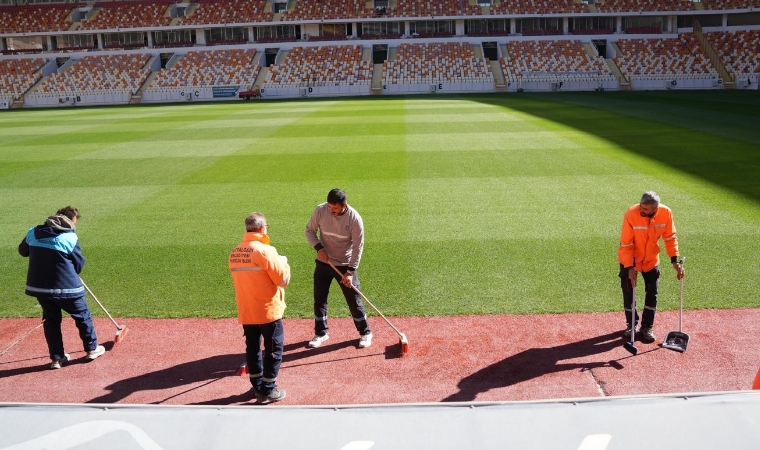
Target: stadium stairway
point(376, 87)
point(477, 50)
point(623, 83)
point(137, 96)
point(282, 55)
point(18, 103)
point(728, 80)
point(504, 51)
point(392, 52)
point(500, 84)
point(260, 78)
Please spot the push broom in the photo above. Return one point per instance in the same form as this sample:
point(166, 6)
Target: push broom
point(402, 337)
point(121, 330)
point(630, 345)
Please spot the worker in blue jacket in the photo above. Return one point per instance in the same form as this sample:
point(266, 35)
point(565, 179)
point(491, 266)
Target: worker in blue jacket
point(55, 261)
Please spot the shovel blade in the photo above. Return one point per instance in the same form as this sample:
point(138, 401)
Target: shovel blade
point(676, 340)
point(631, 348)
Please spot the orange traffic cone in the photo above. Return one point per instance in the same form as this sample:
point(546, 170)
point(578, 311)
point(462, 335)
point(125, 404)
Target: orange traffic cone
point(756, 383)
point(243, 370)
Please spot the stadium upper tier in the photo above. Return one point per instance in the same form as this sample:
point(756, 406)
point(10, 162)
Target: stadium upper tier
point(227, 11)
point(121, 15)
point(616, 6)
point(36, 18)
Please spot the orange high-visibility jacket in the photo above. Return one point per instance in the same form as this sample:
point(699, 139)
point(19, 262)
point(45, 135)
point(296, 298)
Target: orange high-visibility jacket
point(639, 238)
point(260, 276)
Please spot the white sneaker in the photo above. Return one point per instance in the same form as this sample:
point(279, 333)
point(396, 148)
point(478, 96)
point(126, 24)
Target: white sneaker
point(99, 351)
point(317, 340)
point(57, 363)
point(365, 340)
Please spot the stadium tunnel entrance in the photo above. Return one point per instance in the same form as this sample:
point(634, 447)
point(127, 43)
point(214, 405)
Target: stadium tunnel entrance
point(379, 53)
point(601, 47)
point(270, 56)
point(491, 51)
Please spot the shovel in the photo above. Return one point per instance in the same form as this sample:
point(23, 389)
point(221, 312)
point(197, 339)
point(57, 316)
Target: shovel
point(678, 340)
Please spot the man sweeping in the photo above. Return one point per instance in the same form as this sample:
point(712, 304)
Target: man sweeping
point(55, 262)
point(644, 224)
point(336, 232)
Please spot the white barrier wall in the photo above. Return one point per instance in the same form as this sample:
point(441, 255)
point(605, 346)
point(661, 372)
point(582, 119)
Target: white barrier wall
point(576, 85)
point(189, 93)
point(179, 95)
point(428, 88)
point(748, 81)
point(71, 99)
point(5, 103)
point(315, 91)
point(677, 82)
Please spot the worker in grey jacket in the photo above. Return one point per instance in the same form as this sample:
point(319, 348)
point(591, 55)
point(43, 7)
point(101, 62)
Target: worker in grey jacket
point(336, 231)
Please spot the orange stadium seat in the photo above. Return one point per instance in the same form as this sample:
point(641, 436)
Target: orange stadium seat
point(228, 11)
point(739, 50)
point(129, 14)
point(435, 63)
point(18, 75)
point(552, 59)
point(235, 67)
point(664, 58)
point(100, 74)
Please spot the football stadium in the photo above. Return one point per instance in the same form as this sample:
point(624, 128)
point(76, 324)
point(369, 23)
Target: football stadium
point(489, 151)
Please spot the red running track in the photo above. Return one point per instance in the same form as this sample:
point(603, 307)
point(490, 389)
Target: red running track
point(458, 358)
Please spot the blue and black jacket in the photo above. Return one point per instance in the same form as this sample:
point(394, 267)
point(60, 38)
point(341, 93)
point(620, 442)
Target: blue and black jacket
point(55, 260)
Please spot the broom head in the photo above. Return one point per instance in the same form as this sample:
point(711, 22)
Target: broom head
point(631, 348)
point(404, 344)
point(121, 332)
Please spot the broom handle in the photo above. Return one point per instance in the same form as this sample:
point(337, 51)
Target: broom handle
point(367, 300)
point(98, 302)
point(634, 313)
point(680, 297)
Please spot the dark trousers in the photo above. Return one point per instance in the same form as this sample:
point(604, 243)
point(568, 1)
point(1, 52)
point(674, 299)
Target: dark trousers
point(651, 283)
point(263, 368)
point(323, 277)
point(52, 316)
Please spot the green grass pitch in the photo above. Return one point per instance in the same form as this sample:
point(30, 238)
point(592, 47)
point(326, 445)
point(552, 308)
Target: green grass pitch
point(477, 204)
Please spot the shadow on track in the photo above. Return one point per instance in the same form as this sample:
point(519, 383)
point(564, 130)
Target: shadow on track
point(534, 363)
point(203, 370)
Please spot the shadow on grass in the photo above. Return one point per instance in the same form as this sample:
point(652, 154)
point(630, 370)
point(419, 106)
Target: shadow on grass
point(710, 135)
point(534, 363)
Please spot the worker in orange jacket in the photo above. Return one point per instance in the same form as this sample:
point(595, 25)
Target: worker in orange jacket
point(260, 276)
point(643, 225)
